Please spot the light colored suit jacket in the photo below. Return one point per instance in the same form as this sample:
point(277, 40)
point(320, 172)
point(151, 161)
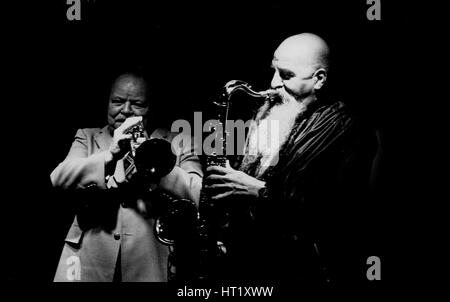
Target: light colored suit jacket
point(92, 254)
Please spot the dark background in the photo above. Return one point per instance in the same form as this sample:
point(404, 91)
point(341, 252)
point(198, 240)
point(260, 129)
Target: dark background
point(62, 71)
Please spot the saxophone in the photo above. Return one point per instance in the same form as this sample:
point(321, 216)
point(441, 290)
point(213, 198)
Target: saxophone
point(207, 246)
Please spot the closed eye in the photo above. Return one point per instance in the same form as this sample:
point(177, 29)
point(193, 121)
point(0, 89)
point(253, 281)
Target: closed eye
point(286, 74)
point(138, 105)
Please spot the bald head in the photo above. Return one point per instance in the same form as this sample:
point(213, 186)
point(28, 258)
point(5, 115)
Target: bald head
point(306, 50)
point(129, 81)
point(301, 66)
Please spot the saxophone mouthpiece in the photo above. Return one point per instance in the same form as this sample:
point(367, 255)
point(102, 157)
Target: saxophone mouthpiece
point(269, 93)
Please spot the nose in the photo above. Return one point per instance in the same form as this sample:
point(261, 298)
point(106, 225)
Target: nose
point(276, 81)
point(126, 109)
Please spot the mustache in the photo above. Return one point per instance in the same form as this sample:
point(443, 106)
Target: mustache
point(281, 96)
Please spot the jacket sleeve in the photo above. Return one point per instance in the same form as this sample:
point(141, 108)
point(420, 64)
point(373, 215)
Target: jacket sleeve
point(79, 169)
point(185, 180)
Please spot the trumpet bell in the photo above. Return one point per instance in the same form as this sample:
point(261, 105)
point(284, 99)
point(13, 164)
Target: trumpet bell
point(154, 159)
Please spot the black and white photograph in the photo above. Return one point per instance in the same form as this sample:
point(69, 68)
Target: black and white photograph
point(209, 150)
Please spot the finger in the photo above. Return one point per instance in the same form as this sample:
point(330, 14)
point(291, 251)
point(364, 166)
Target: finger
point(123, 137)
point(215, 177)
point(227, 164)
point(129, 122)
point(133, 120)
point(221, 196)
point(140, 140)
point(217, 169)
point(217, 186)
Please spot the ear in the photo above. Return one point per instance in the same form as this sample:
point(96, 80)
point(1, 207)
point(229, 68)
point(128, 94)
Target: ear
point(321, 77)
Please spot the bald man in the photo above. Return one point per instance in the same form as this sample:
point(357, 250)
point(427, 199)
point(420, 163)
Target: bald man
point(112, 235)
point(300, 182)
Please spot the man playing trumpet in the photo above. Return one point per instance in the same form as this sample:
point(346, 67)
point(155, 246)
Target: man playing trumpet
point(113, 239)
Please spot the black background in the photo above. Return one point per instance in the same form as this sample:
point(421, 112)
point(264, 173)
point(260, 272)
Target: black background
point(61, 72)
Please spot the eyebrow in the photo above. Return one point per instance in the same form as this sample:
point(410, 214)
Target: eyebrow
point(280, 68)
point(287, 71)
point(118, 96)
point(284, 71)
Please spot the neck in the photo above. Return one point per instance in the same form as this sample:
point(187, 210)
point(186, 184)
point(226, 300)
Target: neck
point(307, 101)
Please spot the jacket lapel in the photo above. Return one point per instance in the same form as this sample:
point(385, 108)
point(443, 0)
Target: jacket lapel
point(103, 139)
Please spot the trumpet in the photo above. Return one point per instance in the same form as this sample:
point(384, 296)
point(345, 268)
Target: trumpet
point(136, 131)
point(153, 157)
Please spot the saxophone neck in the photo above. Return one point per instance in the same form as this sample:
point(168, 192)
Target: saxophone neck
point(236, 85)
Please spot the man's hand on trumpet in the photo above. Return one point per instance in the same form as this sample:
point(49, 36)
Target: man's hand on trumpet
point(122, 138)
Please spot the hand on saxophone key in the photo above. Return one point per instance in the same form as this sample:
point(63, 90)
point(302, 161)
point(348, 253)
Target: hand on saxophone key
point(223, 182)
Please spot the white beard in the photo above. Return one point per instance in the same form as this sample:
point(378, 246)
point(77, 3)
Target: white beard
point(269, 134)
